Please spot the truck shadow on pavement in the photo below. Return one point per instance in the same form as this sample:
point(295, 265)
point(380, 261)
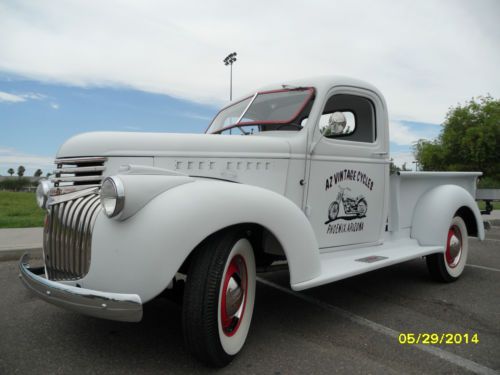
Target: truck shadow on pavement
point(288, 335)
point(280, 322)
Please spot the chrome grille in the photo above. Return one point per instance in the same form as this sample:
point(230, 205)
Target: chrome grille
point(85, 172)
point(68, 235)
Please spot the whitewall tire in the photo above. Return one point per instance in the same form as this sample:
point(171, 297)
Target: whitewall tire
point(448, 266)
point(219, 297)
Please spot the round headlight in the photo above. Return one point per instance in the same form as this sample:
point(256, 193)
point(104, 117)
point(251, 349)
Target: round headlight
point(112, 196)
point(42, 193)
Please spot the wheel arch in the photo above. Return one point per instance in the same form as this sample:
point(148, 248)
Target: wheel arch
point(436, 208)
point(257, 234)
point(469, 219)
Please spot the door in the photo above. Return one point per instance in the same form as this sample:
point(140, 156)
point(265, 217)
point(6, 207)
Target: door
point(349, 170)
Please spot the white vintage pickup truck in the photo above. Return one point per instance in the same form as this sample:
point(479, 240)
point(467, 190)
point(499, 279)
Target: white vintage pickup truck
point(296, 172)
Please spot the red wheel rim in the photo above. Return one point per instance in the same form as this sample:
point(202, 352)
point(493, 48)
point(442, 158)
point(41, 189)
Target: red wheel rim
point(453, 247)
point(234, 295)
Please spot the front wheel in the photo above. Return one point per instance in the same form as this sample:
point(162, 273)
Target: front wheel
point(219, 298)
point(333, 211)
point(448, 266)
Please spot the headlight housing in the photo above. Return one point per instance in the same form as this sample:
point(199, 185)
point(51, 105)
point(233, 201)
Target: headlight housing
point(42, 193)
point(112, 196)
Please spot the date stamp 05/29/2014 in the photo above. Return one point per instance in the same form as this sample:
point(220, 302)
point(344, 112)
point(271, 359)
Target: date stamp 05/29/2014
point(438, 338)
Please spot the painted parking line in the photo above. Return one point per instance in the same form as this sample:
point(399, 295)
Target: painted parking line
point(486, 239)
point(483, 267)
point(438, 352)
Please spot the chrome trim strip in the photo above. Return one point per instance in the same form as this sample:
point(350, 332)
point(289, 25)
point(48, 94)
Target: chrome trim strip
point(77, 178)
point(105, 305)
point(246, 108)
point(90, 159)
point(79, 169)
point(60, 190)
point(55, 199)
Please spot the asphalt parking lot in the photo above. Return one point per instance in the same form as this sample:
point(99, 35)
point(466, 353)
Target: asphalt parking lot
point(351, 326)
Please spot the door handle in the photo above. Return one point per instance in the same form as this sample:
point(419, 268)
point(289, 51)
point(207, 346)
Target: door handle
point(380, 153)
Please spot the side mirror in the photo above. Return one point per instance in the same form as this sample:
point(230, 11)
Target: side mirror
point(335, 124)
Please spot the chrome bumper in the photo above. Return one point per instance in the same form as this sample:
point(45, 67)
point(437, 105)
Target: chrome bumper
point(113, 306)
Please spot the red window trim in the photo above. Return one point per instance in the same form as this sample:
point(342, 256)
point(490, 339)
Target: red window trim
point(294, 116)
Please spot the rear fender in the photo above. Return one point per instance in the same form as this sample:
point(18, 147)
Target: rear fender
point(436, 208)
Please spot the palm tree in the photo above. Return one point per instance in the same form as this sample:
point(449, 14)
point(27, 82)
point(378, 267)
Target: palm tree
point(11, 171)
point(20, 171)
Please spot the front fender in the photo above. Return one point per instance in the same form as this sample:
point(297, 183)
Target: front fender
point(142, 254)
point(434, 211)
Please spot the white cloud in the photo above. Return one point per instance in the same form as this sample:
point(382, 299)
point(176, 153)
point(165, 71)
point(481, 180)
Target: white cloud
point(399, 158)
point(424, 56)
point(33, 96)
point(18, 98)
point(404, 135)
point(12, 158)
point(196, 116)
point(54, 106)
point(11, 98)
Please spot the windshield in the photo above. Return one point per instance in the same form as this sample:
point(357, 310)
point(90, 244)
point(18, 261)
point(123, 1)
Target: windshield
point(268, 110)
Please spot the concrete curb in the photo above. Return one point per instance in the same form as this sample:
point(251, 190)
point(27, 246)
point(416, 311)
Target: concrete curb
point(14, 242)
point(16, 254)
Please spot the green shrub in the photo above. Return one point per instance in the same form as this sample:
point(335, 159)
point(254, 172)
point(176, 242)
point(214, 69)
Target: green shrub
point(488, 183)
point(15, 184)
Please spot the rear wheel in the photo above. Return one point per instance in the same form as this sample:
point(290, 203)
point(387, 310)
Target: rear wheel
point(219, 298)
point(362, 208)
point(448, 266)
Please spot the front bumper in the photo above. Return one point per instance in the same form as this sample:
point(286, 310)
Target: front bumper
point(113, 306)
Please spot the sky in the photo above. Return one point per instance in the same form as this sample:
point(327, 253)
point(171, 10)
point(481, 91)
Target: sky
point(68, 67)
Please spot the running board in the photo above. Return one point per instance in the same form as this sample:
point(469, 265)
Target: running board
point(343, 264)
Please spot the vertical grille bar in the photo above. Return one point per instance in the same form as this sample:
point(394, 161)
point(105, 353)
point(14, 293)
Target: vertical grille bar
point(72, 233)
point(68, 237)
point(65, 233)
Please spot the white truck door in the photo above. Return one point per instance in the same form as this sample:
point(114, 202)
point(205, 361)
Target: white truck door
point(348, 170)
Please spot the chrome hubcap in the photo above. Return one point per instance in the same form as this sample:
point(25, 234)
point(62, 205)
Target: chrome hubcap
point(233, 295)
point(453, 247)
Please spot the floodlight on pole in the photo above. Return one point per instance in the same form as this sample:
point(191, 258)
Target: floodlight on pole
point(416, 165)
point(229, 60)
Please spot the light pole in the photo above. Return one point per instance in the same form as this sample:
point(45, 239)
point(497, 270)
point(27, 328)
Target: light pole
point(416, 165)
point(229, 60)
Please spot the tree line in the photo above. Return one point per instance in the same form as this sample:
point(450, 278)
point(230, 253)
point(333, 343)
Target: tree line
point(469, 141)
point(21, 170)
point(20, 183)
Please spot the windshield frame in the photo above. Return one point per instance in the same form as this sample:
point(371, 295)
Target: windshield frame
point(253, 97)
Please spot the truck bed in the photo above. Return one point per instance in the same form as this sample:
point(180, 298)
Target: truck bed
point(406, 188)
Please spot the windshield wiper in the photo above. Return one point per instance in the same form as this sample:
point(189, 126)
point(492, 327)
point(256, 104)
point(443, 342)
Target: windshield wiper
point(239, 126)
point(240, 129)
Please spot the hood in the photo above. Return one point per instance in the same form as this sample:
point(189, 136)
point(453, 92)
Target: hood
point(171, 144)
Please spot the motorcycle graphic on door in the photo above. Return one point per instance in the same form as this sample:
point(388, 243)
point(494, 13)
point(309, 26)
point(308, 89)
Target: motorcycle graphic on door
point(352, 207)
